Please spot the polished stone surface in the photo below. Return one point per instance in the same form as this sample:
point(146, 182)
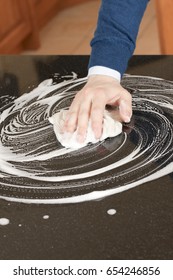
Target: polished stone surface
point(142, 225)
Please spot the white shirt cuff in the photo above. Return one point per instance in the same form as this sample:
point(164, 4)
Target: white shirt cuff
point(101, 70)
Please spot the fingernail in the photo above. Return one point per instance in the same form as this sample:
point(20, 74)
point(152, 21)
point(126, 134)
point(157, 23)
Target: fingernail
point(127, 119)
point(124, 109)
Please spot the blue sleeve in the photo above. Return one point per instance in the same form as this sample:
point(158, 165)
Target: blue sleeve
point(115, 36)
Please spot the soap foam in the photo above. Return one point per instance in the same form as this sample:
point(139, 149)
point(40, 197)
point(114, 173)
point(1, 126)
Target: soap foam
point(4, 221)
point(35, 168)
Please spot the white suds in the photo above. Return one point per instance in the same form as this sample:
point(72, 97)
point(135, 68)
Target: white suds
point(111, 128)
point(4, 221)
point(35, 168)
point(111, 212)
point(45, 217)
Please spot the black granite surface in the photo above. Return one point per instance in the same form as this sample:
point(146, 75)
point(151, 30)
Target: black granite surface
point(142, 228)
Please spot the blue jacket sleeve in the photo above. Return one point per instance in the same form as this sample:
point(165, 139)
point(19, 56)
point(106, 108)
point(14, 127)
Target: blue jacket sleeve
point(115, 36)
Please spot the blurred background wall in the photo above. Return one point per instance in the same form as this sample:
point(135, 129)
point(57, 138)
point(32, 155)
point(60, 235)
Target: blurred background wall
point(66, 27)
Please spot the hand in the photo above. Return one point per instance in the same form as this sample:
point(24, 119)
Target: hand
point(90, 102)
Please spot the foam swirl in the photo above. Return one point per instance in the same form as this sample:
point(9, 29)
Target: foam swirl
point(35, 168)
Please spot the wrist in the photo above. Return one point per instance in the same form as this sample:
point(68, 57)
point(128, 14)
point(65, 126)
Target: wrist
point(102, 78)
point(104, 71)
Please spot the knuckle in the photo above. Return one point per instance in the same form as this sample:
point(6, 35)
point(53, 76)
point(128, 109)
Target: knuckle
point(127, 96)
point(127, 93)
point(96, 112)
point(96, 109)
point(72, 114)
point(83, 110)
point(88, 92)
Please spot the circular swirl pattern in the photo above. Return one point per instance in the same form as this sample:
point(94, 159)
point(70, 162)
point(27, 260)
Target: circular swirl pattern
point(35, 168)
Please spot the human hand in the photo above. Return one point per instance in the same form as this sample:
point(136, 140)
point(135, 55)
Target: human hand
point(90, 102)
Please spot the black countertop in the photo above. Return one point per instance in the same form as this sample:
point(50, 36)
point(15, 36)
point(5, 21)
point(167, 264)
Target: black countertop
point(142, 227)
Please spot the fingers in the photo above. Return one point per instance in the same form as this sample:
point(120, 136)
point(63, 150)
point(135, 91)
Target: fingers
point(122, 98)
point(125, 111)
point(83, 119)
point(70, 123)
point(78, 115)
point(125, 106)
point(91, 108)
point(97, 111)
point(86, 105)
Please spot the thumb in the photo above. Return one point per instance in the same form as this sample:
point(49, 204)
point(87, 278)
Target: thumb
point(125, 109)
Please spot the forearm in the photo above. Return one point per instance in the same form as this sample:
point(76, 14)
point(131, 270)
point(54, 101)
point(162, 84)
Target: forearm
point(114, 40)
